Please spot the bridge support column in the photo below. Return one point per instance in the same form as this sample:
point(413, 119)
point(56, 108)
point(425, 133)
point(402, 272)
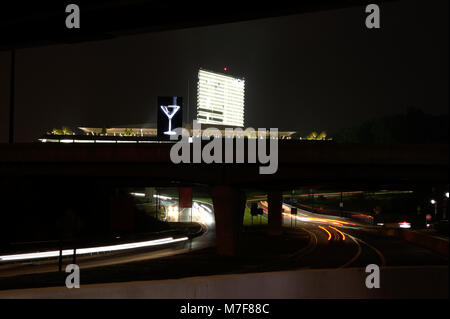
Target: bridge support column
point(229, 207)
point(275, 202)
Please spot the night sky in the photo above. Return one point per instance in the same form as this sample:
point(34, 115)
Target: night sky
point(314, 71)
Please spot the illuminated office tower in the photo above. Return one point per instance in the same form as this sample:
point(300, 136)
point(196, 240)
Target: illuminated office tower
point(220, 99)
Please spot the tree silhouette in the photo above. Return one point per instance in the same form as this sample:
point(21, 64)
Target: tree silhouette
point(412, 127)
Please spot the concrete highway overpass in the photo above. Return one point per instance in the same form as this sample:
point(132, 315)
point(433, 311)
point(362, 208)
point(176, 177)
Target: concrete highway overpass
point(300, 164)
point(40, 24)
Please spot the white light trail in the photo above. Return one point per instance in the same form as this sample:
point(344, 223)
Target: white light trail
point(404, 225)
point(138, 194)
point(207, 208)
point(162, 197)
point(83, 251)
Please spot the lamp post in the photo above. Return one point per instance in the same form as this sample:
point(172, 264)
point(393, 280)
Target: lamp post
point(434, 202)
point(445, 207)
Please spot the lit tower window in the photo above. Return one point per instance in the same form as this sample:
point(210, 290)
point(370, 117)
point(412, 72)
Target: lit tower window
point(220, 99)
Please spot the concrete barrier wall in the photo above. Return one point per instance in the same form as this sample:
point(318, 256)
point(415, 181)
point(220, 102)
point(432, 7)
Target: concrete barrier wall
point(438, 245)
point(395, 282)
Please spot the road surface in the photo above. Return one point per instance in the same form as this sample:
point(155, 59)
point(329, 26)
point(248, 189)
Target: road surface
point(337, 242)
point(206, 239)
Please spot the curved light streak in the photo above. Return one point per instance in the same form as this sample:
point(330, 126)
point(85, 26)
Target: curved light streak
point(83, 251)
point(287, 213)
point(342, 234)
point(329, 234)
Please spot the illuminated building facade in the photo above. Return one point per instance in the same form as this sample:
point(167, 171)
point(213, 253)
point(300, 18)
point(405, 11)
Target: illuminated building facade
point(220, 105)
point(220, 99)
point(138, 135)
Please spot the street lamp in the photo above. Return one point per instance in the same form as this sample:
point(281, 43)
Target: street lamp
point(445, 207)
point(433, 202)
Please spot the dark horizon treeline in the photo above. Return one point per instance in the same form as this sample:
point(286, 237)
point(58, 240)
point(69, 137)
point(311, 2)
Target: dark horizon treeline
point(413, 127)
